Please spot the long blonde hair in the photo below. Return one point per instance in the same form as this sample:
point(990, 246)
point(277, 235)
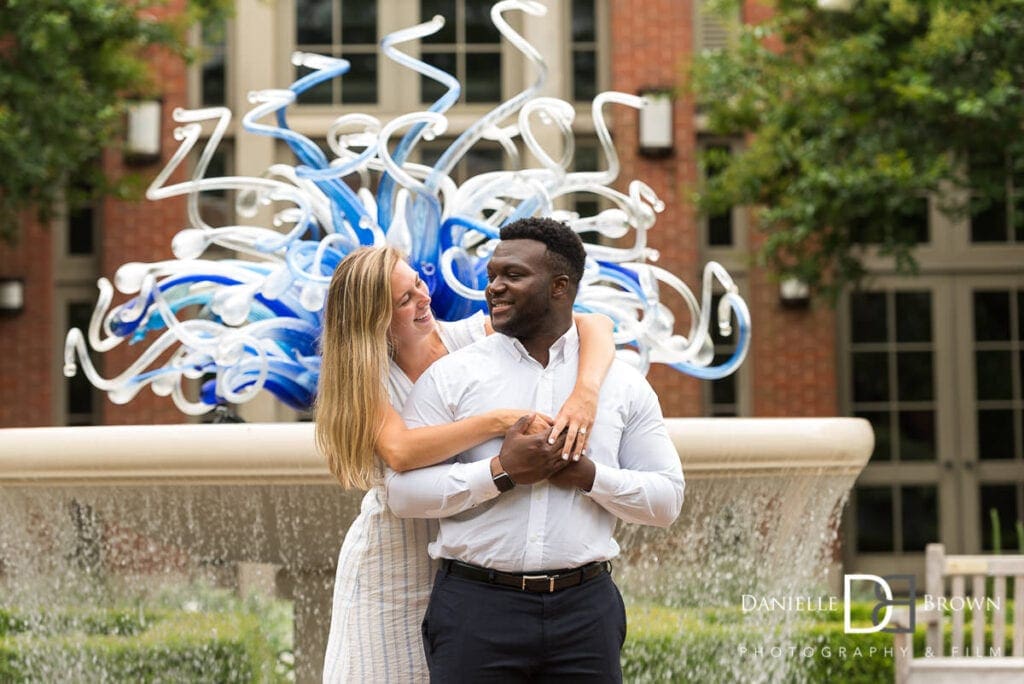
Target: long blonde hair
point(352, 392)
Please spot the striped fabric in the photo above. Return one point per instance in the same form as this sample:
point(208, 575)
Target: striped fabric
point(384, 574)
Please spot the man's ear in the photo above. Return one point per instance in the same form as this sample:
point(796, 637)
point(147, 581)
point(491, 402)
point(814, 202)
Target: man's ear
point(560, 287)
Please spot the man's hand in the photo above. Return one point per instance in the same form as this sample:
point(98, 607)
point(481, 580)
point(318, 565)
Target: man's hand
point(577, 475)
point(528, 458)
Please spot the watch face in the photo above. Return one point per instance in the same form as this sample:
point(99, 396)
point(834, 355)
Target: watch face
point(503, 482)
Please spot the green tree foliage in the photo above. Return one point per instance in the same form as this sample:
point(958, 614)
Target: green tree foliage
point(853, 117)
point(65, 68)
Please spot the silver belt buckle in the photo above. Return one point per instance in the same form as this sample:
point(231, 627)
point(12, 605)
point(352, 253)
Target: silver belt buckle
point(549, 578)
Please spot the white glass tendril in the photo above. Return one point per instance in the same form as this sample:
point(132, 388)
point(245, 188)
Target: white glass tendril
point(252, 322)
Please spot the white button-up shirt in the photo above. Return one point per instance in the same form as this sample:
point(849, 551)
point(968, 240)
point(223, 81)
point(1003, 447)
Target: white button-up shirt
point(537, 527)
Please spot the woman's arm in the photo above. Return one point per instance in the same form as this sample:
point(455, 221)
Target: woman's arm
point(407, 449)
point(597, 351)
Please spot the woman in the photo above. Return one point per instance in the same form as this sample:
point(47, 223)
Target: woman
point(377, 325)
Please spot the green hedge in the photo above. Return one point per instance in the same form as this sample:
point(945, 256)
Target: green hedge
point(707, 646)
point(137, 647)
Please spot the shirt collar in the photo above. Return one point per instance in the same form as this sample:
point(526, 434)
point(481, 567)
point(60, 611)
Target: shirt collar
point(564, 347)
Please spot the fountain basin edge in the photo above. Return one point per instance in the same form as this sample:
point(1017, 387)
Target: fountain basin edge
point(284, 453)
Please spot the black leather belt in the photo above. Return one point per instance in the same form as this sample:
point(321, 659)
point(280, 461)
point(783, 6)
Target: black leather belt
point(541, 583)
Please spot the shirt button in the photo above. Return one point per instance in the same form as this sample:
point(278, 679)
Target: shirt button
point(533, 538)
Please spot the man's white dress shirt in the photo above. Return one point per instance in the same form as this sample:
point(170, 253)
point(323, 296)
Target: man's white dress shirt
point(537, 527)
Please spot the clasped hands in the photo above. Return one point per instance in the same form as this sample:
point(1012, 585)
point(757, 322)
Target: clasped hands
point(529, 454)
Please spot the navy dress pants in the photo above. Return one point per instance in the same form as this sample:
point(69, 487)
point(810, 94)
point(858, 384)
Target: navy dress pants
point(479, 632)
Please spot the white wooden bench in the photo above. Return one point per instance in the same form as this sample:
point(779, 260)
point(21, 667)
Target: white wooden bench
point(980, 662)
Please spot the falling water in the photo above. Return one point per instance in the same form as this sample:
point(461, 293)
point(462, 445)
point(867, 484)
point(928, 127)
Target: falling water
point(757, 535)
point(69, 553)
point(764, 535)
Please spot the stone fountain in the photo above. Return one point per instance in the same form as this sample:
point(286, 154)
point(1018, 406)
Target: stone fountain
point(762, 506)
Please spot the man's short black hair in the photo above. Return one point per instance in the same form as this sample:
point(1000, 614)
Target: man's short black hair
point(564, 247)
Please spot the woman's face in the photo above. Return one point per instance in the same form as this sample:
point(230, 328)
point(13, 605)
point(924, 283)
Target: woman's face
point(411, 318)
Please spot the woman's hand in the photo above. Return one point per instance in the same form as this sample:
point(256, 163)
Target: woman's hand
point(577, 417)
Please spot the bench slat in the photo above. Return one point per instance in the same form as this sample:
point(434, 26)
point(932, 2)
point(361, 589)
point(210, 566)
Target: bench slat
point(978, 616)
point(1018, 616)
point(958, 615)
point(999, 615)
point(935, 585)
point(992, 566)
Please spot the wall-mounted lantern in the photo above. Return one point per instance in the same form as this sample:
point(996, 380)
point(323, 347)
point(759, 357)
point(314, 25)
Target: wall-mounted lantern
point(12, 295)
point(655, 130)
point(794, 293)
point(143, 135)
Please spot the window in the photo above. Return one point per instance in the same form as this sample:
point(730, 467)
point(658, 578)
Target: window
point(83, 210)
point(713, 27)
point(896, 518)
point(997, 209)
point(583, 46)
point(719, 228)
point(586, 204)
point(81, 405)
point(483, 157)
point(999, 373)
point(81, 226)
point(1007, 502)
point(340, 28)
point(892, 352)
point(468, 47)
point(217, 207)
point(721, 397)
point(909, 223)
point(722, 230)
point(213, 70)
point(891, 372)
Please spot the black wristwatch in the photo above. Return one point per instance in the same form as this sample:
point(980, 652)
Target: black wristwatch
point(502, 481)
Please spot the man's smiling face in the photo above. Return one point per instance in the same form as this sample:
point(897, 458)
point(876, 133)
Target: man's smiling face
point(519, 287)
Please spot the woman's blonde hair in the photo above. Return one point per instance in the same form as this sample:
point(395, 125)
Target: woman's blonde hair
point(352, 391)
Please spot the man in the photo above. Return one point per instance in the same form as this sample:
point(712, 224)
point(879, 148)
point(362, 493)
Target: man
point(524, 592)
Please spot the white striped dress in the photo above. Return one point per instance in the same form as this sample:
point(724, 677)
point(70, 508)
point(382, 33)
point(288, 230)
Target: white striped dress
point(384, 574)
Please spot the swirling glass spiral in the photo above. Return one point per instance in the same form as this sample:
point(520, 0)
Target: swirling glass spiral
point(252, 323)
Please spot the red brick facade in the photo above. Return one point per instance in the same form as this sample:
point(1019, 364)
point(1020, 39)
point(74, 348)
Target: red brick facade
point(130, 231)
point(793, 352)
point(142, 231)
point(650, 44)
point(26, 363)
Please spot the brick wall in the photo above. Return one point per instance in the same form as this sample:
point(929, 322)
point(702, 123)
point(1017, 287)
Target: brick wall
point(26, 361)
point(142, 231)
point(651, 42)
point(793, 352)
point(130, 231)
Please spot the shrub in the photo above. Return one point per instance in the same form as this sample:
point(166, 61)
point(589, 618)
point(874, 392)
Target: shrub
point(707, 646)
point(116, 646)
